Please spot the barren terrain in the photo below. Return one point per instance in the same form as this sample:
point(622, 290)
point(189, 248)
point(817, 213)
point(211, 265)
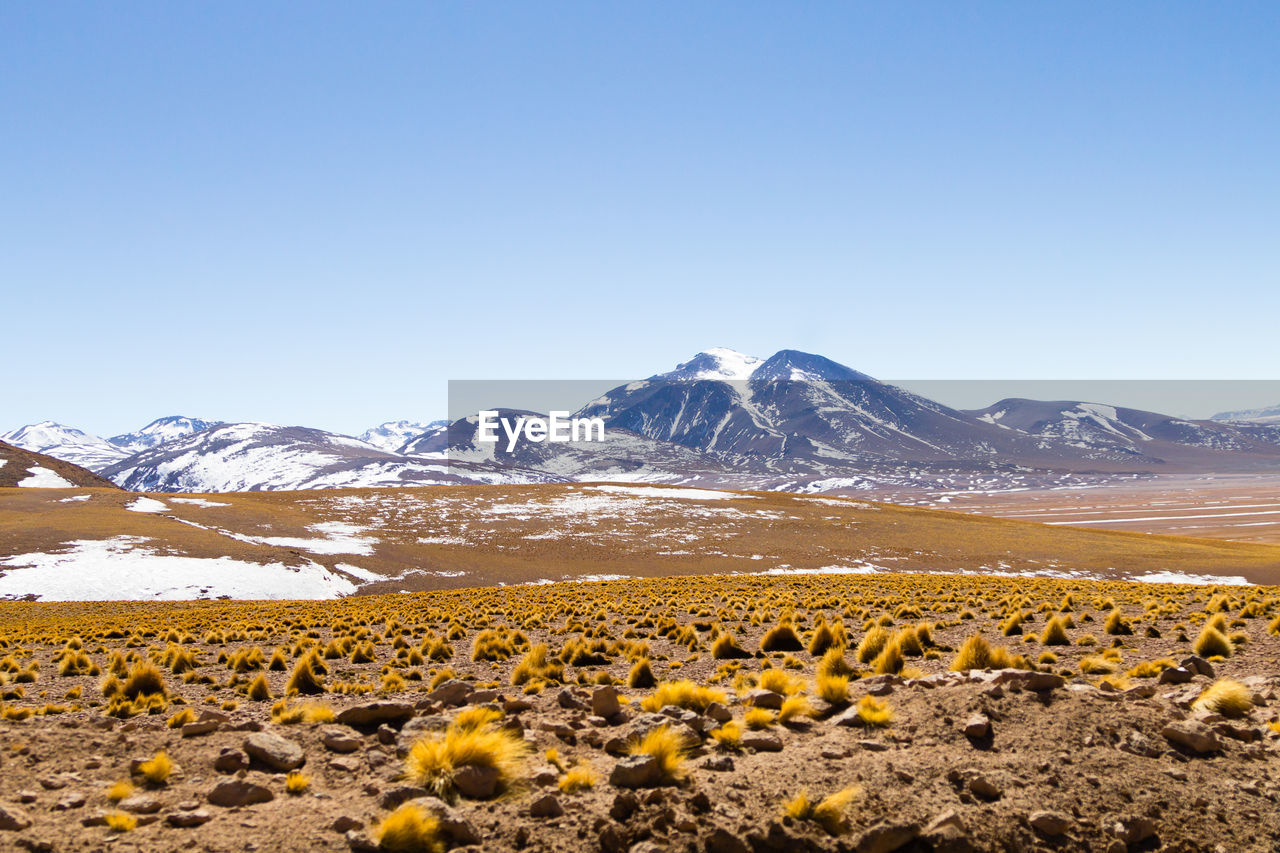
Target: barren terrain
point(59, 544)
point(1095, 739)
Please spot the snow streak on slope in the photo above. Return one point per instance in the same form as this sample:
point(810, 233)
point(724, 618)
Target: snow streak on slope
point(121, 568)
point(43, 478)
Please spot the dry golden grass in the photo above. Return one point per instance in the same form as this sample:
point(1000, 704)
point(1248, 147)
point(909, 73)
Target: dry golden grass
point(410, 829)
point(1227, 697)
point(668, 746)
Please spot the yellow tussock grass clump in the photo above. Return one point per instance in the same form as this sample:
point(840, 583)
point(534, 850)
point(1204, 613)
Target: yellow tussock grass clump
point(682, 694)
point(668, 746)
point(410, 829)
point(1227, 697)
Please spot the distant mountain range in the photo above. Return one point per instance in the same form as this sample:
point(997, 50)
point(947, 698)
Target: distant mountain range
point(794, 421)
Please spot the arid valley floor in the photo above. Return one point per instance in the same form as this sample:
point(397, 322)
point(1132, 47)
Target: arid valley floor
point(811, 673)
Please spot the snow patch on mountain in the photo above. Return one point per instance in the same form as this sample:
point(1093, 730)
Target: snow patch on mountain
point(43, 478)
point(122, 568)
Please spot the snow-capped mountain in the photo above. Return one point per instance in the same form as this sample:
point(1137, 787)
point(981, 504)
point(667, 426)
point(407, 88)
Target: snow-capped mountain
point(266, 457)
point(794, 407)
point(1269, 415)
point(66, 443)
point(1095, 427)
point(159, 431)
point(393, 435)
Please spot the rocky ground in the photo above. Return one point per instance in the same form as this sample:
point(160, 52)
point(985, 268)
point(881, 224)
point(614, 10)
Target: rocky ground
point(1046, 758)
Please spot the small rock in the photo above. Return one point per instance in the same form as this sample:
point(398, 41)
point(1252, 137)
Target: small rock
point(636, 771)
point(1192, 735)
point(476, 782)
point(546, 806)
point(278, 753)
point(873, 745)
point(985, 789)
point(544, 776)
point(946, 833)
point(885, 837)
point(624, 806)
point(458, 829)
point(977, 727)
point(719, 713)
point(140, 804)
point(1175, 675)
point(187, 819)
point(567, 699)
point(74, 800)
point(372, 714)
point(346, 764)
point(718, 764)
point(359, 842)
point(722, 840)
point(761, 698)
point(1050, 823)
point(393, 797)
point(452, 692)
point(1198, 665)
point(339, 740)
point(1134, 830)
point(231, 760)
point(12, 820)
point(239, 792)
point(762, 742)
point(27, 796)
point(200, 727)
point(604, 701)
point(345, 823)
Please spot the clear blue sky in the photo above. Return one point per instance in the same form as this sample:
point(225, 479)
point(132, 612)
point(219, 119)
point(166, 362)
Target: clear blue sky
point(319, 213)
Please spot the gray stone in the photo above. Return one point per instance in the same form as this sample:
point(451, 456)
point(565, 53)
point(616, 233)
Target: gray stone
point(373, 714)
point(188, 819)
point(231, 760)
point(722, 840)
point(140, 804)
point(718, 764)
point(1050, 823)
point(346, 823)
point(761, 698)
point(566, 698)
point(761, 741)
point(452, 823)
point(719, 713)
point(604, 701)
point(393, 797)
point(636, 771)
point(278, 753)
point(1134, 830)
point(1198, 665)
point(74, 800)
point(346, 764)
point(1175, 675)
point(476, 782)
point(239, 792)
point(339, 740)
point(977, 726)
point(1192, 735)
point(885, 837)
point(548, 805)
point(12, 820)
point(452, 692)
point(200, 727)
point(985, 789)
